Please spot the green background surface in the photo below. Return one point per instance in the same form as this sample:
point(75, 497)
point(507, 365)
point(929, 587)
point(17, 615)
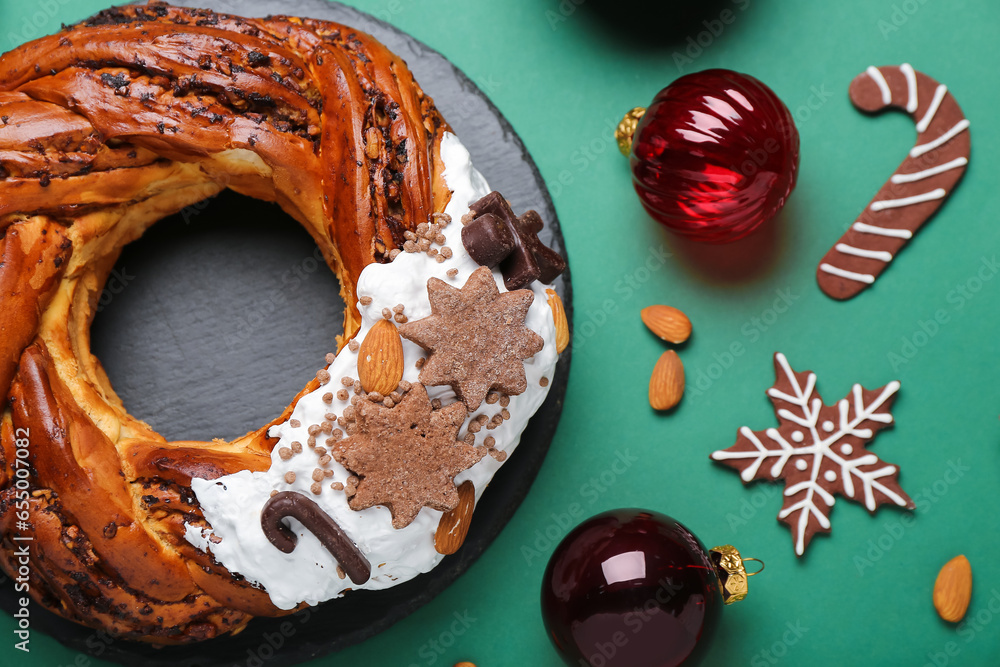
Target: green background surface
point(563, 73)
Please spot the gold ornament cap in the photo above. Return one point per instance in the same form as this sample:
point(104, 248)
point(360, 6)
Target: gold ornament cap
point(732, 571)
point(626, 129)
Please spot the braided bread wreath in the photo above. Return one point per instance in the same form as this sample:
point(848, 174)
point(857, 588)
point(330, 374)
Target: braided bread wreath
point(115, 123)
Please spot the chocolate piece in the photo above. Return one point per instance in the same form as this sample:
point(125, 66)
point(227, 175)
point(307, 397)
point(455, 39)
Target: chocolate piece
point(522, 257)
point(488, 239)
point(476, 336)
point(319, 523)
point(819, 450)
point(911, 195)
point(550, 263)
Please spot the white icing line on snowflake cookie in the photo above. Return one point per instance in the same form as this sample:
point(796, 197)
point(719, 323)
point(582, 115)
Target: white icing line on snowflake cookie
point(826, 447)
point(910, 196)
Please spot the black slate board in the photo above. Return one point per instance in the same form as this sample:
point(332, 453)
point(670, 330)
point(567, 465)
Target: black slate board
point(216, 317)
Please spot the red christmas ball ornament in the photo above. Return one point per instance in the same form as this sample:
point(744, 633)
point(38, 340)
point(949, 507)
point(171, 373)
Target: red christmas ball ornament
point(634, 588)
point(714, 156)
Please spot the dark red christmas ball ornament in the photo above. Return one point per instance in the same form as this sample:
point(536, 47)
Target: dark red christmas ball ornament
point(634, 588)
point(714, 156)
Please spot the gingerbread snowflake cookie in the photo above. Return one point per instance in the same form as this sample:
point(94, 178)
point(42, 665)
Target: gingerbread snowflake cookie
point(819, 450)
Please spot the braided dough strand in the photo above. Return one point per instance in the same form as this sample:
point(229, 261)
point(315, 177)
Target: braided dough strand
point(106, 128)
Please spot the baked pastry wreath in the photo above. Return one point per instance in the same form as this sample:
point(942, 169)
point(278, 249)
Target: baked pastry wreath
point(134, 114)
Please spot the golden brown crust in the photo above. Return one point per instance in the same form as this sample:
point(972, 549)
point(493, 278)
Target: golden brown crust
point(105, 128)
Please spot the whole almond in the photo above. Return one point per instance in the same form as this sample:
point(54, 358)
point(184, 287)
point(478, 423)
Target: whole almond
point(953, 589)
point(559, 317)
point(454, 525)
point(668, 323)
point(380, 359)
point(666, 385)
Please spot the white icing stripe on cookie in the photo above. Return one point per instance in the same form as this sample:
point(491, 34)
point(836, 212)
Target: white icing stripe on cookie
point(911, 87)
point(920, 149)
point(882, 231)
point(850, 275)
point(932, 109)
point(880, 255)
point(927, 173)
point(880, 82)
point(939, 193)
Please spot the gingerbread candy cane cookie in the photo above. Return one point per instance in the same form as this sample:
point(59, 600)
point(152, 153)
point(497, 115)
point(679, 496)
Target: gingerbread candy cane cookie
point(918, 188)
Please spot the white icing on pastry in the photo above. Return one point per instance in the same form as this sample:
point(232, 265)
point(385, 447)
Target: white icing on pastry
point(232, 503)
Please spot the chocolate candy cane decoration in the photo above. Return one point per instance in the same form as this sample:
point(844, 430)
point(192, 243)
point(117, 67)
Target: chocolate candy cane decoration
point(918, 188)
point(319, 523)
